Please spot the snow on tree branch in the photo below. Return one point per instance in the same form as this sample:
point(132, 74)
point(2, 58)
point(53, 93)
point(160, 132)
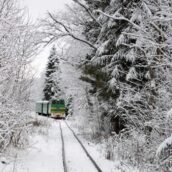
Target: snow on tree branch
point(118, 16)
point(88, 11)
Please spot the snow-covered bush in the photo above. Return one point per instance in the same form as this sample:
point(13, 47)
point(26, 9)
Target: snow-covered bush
point(14, 126)
point(164, 149)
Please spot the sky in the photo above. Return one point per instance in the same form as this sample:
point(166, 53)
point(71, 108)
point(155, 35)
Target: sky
point(38, 9)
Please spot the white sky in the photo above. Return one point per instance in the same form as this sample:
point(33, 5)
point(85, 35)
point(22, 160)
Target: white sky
point(38, 9)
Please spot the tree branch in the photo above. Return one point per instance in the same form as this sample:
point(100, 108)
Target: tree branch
point(158, 29)
point(69, 33)
point(118, 16)
point(88, 11)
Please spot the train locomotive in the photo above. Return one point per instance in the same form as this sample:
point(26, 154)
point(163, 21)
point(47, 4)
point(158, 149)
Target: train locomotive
point(54, 108)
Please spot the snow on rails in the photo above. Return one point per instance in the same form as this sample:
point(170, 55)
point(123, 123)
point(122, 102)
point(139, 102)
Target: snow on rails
point(75, 156)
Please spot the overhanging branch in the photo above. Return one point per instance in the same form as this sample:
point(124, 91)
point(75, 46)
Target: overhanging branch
point(69, 32)
point(88, 11)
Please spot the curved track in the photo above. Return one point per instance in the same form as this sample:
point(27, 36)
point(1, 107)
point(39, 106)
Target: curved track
point(71, 141)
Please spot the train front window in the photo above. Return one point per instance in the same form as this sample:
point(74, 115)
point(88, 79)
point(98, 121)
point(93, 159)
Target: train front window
point(61, 102)
point(54, 101)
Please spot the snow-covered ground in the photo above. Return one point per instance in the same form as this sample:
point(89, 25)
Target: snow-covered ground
point(97, 153)
point(44, 153)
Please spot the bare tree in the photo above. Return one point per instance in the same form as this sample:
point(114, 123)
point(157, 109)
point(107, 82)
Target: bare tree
point(18, 44)
point(58, 26)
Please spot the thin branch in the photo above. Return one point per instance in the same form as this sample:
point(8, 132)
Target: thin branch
point(88, 11)
point(68, 32)
point(82, 20)
point(58, 22)
point(158, 29)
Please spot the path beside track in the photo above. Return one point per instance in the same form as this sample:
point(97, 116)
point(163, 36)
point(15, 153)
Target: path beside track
point(44, 154)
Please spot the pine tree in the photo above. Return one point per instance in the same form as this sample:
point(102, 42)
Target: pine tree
point(51, 88)
point(129, 65)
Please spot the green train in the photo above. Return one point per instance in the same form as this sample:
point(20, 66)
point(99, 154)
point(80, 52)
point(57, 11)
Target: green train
point(54, 108)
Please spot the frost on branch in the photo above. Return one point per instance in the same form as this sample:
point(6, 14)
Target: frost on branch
point(131, 56)
point(132, 74)
point(164, 154)
point(116, 72)
point(120, 40)
point(102, 49)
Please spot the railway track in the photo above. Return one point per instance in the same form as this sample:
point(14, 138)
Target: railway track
point(64, 126)
point(63, 150)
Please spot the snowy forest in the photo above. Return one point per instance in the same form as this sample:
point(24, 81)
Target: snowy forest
point(111, 60)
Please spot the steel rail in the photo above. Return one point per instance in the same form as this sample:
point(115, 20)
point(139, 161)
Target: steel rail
point(85, 150)
point(63, 149)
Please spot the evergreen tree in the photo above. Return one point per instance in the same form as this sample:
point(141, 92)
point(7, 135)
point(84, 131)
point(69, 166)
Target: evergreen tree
point(129, 65)
point(51, 88)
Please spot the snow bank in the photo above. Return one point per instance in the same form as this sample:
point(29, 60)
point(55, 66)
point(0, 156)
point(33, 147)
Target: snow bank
point(97, 151)
point(165, 148)
point(169, 114)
